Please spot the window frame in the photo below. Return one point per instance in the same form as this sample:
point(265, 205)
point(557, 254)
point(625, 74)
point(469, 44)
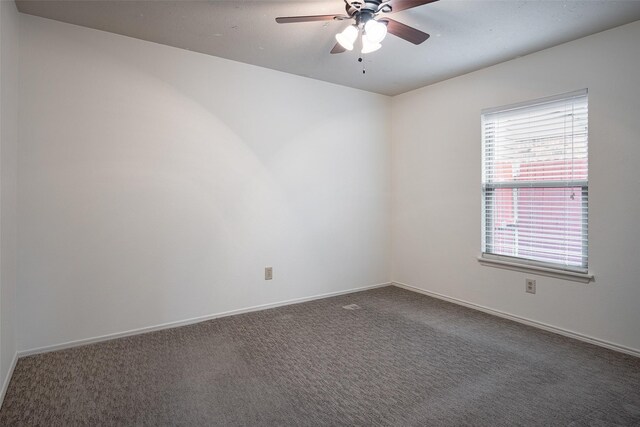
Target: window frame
point(487, 257)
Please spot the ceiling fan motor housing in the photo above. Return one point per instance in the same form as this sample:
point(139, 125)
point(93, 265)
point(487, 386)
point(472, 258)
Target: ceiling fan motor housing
point(365, 10)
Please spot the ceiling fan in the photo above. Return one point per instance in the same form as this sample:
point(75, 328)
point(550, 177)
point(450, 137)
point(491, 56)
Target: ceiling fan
point(368, 18)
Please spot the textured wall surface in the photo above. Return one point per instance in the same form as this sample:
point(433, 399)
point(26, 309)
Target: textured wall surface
point(156, 184)
point(9, 30)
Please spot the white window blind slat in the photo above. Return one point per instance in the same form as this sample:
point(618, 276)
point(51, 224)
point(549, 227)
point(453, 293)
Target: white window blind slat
point(535, 181)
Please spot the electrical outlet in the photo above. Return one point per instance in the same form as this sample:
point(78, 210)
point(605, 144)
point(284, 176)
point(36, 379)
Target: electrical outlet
point(530, 286)
point(268, 273)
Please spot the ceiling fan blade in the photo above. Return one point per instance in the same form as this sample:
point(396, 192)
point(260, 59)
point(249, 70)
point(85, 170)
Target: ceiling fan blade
point(398, 5)
point(406, 32)
point(338, 48)
point(292, 19)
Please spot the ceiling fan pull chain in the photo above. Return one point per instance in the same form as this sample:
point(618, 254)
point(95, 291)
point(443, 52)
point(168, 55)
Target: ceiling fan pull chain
point(361, 59)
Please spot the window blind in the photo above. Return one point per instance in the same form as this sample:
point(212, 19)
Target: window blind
point(535, 183)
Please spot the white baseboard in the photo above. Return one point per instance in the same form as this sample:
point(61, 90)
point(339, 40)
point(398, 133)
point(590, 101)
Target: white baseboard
point(7, 380)
point(85, 341)
point(534, 323)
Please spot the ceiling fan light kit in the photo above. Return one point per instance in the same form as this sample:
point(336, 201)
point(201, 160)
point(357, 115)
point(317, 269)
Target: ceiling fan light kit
point(368, 46)
point(348, 37)
point(366, 15)
point(375, 31)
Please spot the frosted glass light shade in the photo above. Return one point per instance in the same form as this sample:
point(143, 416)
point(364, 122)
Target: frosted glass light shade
point(368, 46)
point(347, 37)
point(376, 31)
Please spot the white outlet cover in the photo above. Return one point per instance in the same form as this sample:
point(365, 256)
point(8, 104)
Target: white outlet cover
point(530, 286)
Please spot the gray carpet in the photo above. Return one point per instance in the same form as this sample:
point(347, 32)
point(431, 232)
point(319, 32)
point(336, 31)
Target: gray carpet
point(400, 359)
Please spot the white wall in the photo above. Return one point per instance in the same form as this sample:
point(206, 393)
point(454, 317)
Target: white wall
point(8, 176)
point(436, 186)
point(155, 184)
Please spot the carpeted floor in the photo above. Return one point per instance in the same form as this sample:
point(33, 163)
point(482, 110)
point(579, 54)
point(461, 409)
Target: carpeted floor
point(399, 359)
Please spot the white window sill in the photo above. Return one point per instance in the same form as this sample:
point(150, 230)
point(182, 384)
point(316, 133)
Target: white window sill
point(542, 271)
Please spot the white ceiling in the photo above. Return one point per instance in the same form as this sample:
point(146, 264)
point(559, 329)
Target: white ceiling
point(466, 35)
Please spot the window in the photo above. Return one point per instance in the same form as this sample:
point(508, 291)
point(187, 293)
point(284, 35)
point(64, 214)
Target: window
point(535, 186)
